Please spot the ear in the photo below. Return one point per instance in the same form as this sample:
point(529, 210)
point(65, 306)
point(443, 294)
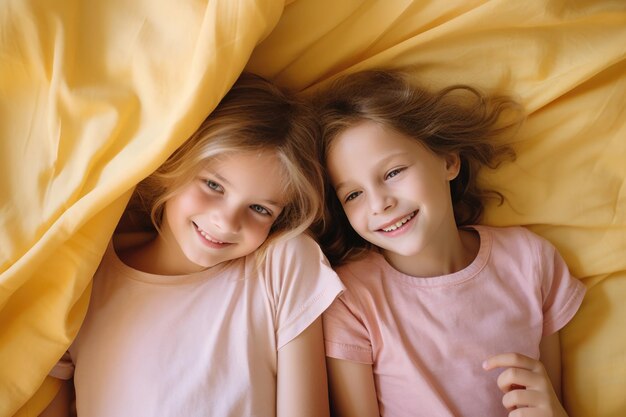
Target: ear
point(453, 165)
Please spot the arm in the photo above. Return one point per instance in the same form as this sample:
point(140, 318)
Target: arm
point(60, 405)
point(526, 383)
point(302, 388)
point(352, 389)
point(550, 356)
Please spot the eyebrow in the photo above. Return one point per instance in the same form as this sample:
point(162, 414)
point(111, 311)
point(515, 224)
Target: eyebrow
point(340, 186)
point(380, 162)
point(219, 177)
point(273, 203)
point(224, 180)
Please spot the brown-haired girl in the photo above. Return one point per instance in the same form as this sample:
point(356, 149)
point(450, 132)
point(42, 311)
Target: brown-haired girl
point(434, 303)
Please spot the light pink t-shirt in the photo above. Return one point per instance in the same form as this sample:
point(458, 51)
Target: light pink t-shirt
point(427, 337)
point(203, 344)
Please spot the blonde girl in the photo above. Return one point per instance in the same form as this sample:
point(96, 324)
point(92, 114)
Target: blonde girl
point(434, 302)
point(218, 311)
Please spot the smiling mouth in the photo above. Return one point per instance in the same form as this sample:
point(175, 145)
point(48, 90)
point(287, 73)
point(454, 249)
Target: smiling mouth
point(399, 223)
point(207, 237)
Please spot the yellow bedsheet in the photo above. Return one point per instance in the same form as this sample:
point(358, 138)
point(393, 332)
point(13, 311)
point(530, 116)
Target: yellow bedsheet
point(94, 95)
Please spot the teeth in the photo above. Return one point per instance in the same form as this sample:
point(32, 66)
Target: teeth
point(207, 237)
point(399, 223)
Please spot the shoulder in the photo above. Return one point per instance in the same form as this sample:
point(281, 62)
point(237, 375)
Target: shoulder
point(110, 264)
point(506, 232)
point(530, 252)
point(514, 239)
point(301, 245)
point(364, 272)
point(299, 256)
point(300, 284)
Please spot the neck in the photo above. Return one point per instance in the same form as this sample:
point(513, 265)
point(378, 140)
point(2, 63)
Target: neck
point(155, 256)
point(451, 253)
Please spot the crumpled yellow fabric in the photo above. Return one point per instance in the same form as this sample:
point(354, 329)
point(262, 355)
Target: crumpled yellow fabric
point(94, 95)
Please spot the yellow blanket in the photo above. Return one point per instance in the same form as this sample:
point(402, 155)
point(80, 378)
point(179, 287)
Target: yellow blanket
point(94, 95)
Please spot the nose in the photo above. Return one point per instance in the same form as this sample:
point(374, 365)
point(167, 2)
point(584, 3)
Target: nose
point(226, 219)
point(380, 201)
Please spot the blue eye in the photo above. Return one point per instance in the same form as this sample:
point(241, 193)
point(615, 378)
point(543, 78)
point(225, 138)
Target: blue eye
point(352, 196)
point(393, 173)
point(214, 186)
point(260, 209)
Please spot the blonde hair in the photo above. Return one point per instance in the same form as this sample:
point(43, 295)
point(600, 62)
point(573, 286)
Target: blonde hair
point(255, 115)
point(455, 120)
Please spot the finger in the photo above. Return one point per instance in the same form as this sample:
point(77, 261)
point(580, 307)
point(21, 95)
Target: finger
point(512, 360)
point(516, 378)
point(520, 398)
point(529, 412)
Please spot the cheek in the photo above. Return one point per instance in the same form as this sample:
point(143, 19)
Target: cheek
point(259, 236)
point(263, 227)
point(356, 216)
point(174, 210)
point(259, 229)
point(424, 185)
point(186, 199)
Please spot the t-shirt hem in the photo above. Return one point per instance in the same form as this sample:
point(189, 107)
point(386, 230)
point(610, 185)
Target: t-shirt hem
point(348, 352)
point(311, 311)
point(567, 313)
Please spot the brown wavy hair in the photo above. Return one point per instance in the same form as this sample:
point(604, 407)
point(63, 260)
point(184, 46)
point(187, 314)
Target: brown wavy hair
point(255, 115)
point(459, 119)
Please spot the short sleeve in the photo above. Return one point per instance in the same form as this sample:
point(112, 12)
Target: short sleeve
point(64, 368)
point(562, 293)
point(301, 285)
point(345, 333)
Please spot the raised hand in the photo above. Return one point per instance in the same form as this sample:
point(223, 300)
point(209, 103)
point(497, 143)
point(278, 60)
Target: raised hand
point(527, 389)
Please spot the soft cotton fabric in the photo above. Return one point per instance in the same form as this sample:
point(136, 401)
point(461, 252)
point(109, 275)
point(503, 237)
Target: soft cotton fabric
point(427, 337)
point(203, 344)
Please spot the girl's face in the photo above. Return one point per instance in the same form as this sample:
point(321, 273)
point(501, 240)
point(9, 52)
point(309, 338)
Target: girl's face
point(225, 213)
point(394, 191)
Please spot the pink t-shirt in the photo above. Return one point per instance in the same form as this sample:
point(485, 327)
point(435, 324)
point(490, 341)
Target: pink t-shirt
point(203, 344)
point(427, 337)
